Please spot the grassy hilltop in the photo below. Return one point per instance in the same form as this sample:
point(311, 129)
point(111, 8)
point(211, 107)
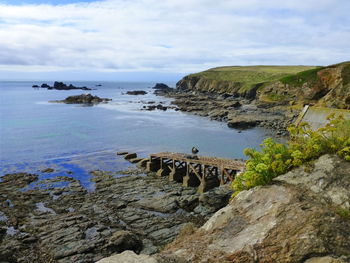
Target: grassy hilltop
point(326, 86)
point(249, 76)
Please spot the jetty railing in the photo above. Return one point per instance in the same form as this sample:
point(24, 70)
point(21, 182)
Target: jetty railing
point(191, 170)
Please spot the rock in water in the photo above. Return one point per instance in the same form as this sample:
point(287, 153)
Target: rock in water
point(84, 99)
point(161, 88)
point(136, 92)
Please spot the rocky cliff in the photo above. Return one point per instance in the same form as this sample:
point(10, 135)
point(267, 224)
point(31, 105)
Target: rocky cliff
point(325, 86)
point(302, 217)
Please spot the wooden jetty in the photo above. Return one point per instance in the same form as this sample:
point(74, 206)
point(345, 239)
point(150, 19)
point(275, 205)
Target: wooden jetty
point(191, 170)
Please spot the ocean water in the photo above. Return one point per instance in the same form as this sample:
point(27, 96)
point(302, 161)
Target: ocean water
point(76, 139)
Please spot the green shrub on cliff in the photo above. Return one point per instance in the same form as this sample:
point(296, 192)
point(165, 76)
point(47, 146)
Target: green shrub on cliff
point(303, 146)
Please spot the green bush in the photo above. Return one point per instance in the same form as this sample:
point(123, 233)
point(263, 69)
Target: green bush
point(303, 146)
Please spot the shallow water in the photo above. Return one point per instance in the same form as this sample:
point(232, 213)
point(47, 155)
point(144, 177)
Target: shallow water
point(36, 134)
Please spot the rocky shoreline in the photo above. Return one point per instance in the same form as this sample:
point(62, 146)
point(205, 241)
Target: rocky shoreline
point(303, 216)
point(238, 112)
point(58, 220)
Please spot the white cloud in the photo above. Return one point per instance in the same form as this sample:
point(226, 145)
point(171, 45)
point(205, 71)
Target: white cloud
point(173, 35)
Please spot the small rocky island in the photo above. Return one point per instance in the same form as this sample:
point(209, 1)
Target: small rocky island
point(83, 99)
point(60, 86)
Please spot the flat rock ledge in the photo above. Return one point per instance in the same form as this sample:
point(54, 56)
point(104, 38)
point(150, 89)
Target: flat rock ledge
point(238, 112)
point(58, 220)
point(302, 217)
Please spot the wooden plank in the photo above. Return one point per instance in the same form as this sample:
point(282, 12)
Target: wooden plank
point(195, 172)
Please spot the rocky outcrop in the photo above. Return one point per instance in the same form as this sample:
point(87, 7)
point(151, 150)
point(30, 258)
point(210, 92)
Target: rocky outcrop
point(302, 217)
point(58, 220)
point(197, 83)
point(83, 99)
point(136, 92)
point(155, 107)
point(61, 86)
point(161, 88)
point(238, 113)
point(324, 86)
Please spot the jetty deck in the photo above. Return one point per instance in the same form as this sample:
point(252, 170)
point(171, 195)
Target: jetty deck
point(192, 170)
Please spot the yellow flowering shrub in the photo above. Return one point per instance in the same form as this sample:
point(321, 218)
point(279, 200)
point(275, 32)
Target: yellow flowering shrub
point(303, 146)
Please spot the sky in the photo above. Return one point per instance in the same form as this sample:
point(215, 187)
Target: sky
point(165, 40)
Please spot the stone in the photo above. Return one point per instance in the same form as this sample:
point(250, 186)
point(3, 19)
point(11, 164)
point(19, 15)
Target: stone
point(241, 124)
point(44, 85)
point(136, 92)
point(130, 156)
point(47, 170)
point(122, 153)
point(128, 257)
point(124, 240)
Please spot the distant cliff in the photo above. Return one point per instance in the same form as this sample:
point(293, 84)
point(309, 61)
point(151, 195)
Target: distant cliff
point(325, 86)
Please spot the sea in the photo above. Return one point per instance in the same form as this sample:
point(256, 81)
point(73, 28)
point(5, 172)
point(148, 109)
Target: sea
point(74, 140)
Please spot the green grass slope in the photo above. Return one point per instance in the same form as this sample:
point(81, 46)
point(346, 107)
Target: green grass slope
point(249, 76)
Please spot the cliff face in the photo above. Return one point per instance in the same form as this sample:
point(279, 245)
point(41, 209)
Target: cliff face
point(323, 86)
point(328, 86)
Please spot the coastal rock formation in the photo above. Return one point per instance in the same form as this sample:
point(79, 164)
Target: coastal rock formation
point(238, 113)
point(58, 220)
point(304, 216)
point(324, 86)
point(155, 107)
point(61, 86)
point(280, 85)
point(161, 88)
point(83, 99)
point(136, 92)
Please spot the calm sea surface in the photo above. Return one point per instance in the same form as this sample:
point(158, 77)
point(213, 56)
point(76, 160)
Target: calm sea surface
point(36, 134)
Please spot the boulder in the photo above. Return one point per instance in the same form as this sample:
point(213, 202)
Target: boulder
point(122, 153)
point(130, 156)
point(44, 85)
point(161, 88)
point(128, 257)
point(136, 92)
point(242, 124)
point(124, 240)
